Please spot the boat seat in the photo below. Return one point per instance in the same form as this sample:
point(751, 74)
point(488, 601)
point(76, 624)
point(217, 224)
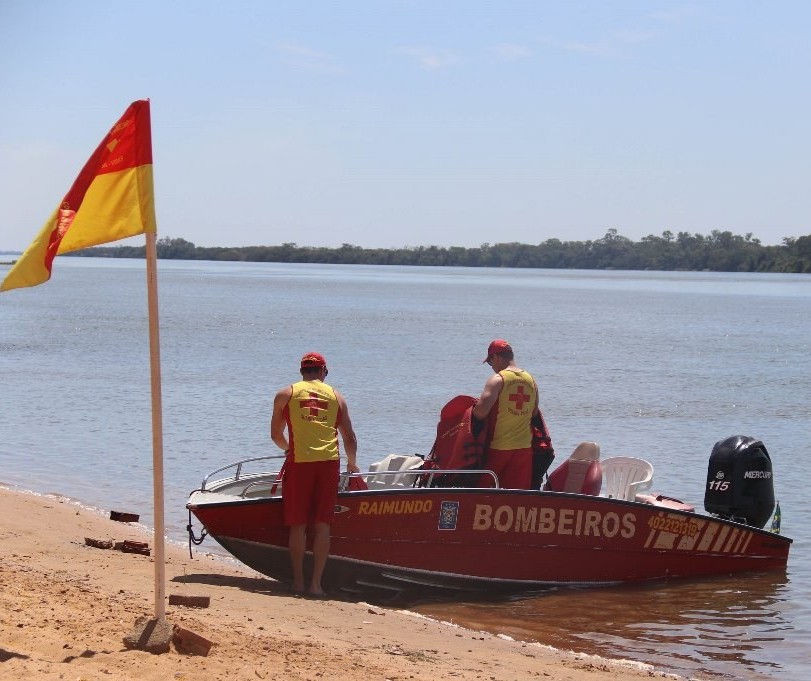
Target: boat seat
point(581, 473)
point(626, 476)
point(391, 464)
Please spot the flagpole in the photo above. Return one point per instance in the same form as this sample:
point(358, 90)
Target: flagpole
point(111, 199)
point(157, 423)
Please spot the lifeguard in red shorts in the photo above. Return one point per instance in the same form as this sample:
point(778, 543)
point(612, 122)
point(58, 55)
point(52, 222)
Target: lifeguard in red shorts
point(513, 393)
point(312, 414)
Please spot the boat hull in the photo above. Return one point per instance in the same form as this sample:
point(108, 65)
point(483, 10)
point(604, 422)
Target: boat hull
point(493, 540)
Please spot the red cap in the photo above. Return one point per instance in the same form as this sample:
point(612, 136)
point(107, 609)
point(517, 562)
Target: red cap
point(312, 360)
point(497, 346)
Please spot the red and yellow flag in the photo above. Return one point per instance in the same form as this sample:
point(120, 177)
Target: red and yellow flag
point(111, 199)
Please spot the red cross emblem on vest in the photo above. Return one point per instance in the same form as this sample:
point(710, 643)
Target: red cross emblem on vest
point(519, 398)
point(314, 404)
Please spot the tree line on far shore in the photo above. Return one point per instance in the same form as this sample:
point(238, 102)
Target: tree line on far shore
point(720, 251)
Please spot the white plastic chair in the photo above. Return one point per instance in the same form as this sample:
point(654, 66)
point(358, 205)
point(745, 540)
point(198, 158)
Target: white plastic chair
point(624, 477)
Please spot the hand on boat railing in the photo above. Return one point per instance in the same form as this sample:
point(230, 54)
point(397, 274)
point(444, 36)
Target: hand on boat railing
point(352, 482)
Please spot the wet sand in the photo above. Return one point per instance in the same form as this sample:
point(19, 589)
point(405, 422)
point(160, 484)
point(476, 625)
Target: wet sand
point(65, 608)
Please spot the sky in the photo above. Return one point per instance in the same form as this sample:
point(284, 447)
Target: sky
point(405, 123)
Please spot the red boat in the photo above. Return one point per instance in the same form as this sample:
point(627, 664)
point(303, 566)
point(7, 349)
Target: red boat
point(404, 534)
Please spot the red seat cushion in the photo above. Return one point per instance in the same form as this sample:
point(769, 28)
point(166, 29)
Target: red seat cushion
point(579, 477)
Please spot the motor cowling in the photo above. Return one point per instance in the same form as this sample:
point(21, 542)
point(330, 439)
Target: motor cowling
point(740, 485)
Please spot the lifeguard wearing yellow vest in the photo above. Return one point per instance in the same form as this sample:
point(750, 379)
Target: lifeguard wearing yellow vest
point(513, 393)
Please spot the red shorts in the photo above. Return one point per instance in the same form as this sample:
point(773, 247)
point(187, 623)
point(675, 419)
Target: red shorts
point(512, 466)
point(310, 491)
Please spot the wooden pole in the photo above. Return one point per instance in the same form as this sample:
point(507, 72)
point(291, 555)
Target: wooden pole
point(157, 423)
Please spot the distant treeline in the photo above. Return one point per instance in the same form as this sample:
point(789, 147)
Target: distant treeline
point(717, 252)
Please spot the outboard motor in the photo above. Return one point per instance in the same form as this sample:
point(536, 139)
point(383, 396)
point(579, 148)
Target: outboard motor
point(739, 481)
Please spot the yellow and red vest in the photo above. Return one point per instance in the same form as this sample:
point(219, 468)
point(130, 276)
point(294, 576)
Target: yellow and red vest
point(312, 416)
point(515, 405)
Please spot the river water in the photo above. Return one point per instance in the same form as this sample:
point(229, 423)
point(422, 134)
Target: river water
point(659, 365)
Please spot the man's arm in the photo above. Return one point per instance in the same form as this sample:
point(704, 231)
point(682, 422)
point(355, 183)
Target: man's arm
point(277, 421)
point(489, 396)
point(348, 436)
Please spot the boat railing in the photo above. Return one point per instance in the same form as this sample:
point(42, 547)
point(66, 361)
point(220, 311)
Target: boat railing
point(396, 479)
point(414, 477)
point(238, 466)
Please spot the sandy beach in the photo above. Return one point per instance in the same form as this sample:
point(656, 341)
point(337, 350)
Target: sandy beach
point(65, 608)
